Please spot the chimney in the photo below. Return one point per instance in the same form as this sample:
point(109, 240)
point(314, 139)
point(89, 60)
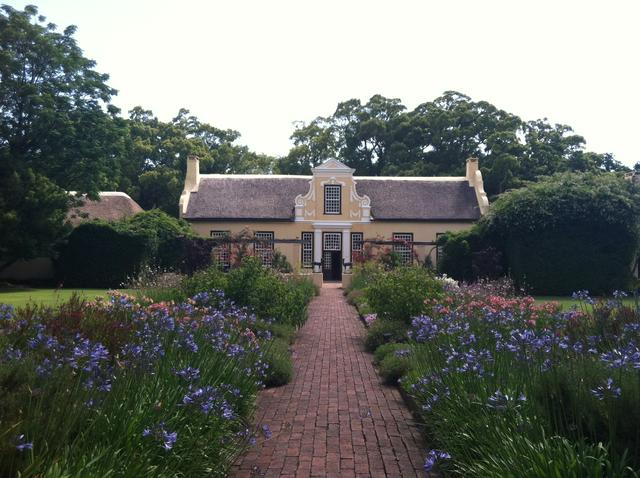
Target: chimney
point(191, 182)
point(193, 173)
point(472, 169)
point(474, 176)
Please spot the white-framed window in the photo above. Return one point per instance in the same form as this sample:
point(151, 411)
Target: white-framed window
point(357, 239)
point(264, 247)
point(307, 249)
point(221, 252)
point(439, 249)
point(332, 241)
point(332, 199)
point(403, 246)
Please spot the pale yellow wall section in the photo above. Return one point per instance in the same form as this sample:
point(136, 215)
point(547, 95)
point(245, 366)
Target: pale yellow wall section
point(422, 232)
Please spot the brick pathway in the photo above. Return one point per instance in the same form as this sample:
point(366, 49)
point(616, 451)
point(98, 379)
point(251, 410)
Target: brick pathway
point(335, 418)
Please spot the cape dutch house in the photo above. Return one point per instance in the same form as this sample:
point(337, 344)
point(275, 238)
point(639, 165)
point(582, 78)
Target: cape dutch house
point(321, 222)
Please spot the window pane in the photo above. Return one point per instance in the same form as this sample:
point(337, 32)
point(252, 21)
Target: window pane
point(307, 249)
point(403, 247)
point(356, 246)
point(439, 251)
point(332, 241)
point(264, 247)
point(332, 199)
point(221, 252)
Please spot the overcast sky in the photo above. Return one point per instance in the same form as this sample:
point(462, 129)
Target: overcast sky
point(258, 66)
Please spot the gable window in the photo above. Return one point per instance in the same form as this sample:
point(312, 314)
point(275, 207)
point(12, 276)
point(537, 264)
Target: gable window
point(356, 246)
point(332, 201)
point(264, 247)
point(221, 252)
point(403, 246)
point(307, 249)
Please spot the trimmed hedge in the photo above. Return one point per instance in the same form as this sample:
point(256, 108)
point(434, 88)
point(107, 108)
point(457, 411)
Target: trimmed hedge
point(101, 254)
point(98, 255)
point(566, 233)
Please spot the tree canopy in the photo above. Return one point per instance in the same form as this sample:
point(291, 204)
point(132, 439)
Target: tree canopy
point(382, 138)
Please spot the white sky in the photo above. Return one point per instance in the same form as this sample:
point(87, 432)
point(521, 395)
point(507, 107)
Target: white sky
point(258, 66)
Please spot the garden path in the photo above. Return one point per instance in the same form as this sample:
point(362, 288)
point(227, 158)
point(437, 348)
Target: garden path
point(335, 418)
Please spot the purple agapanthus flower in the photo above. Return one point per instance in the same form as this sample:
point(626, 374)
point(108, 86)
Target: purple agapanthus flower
point(166, 438)
point(433, 457)
point(189, 374)
point(608, 390)
point(22, 444)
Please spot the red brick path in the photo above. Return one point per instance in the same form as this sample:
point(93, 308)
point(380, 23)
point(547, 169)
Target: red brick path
point(335, 418)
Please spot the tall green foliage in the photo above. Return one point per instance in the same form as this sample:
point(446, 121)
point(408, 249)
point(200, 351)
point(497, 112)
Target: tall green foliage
point(120, 249)
point(57, 130)
point(99, 255)
point(570, 232)
point(566, 233)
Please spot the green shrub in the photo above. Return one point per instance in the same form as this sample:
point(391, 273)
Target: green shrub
point(280, 263)
point(386, 349)
point(285, 332)
point(208, 279)
point(269, 295)
point(363, 275)
point(280, 366)
point(383, 332)
point(356, 297)
point(394, 366)
point(99, 255)
point(399, 294)
point(168, 250)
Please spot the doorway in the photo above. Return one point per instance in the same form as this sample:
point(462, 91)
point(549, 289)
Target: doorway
point(332, 256)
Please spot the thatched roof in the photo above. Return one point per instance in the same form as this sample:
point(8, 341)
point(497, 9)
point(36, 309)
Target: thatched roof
point(271, 197)
point(112, 206)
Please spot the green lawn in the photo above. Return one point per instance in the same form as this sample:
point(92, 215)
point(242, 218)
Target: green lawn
point(52, 297)
point(568, 302)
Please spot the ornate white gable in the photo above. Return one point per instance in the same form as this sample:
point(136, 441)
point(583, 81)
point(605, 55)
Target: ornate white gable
point(310, 207)
point(333, 166)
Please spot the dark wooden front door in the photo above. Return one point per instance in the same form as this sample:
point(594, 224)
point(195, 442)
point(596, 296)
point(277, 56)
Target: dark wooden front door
point(332, 265)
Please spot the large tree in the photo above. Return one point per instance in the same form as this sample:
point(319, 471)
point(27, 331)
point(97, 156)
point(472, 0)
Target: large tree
point(154, 166)
point(57, 130)
point(382, 138)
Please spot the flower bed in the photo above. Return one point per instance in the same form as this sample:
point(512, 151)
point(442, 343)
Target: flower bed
point(127, 388)
point(509, 388)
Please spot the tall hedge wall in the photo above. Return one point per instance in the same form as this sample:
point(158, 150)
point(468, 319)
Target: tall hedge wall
point(566, 233)
point(99, 255)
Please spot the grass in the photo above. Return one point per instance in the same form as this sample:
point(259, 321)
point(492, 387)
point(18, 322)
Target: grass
point(567, 302)
point(47, 297)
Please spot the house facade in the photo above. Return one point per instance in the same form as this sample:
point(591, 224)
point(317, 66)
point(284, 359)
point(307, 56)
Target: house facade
point(322, 223)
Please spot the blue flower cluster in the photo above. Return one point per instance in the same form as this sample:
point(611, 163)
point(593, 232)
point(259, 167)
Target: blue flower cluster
point(147, 335)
